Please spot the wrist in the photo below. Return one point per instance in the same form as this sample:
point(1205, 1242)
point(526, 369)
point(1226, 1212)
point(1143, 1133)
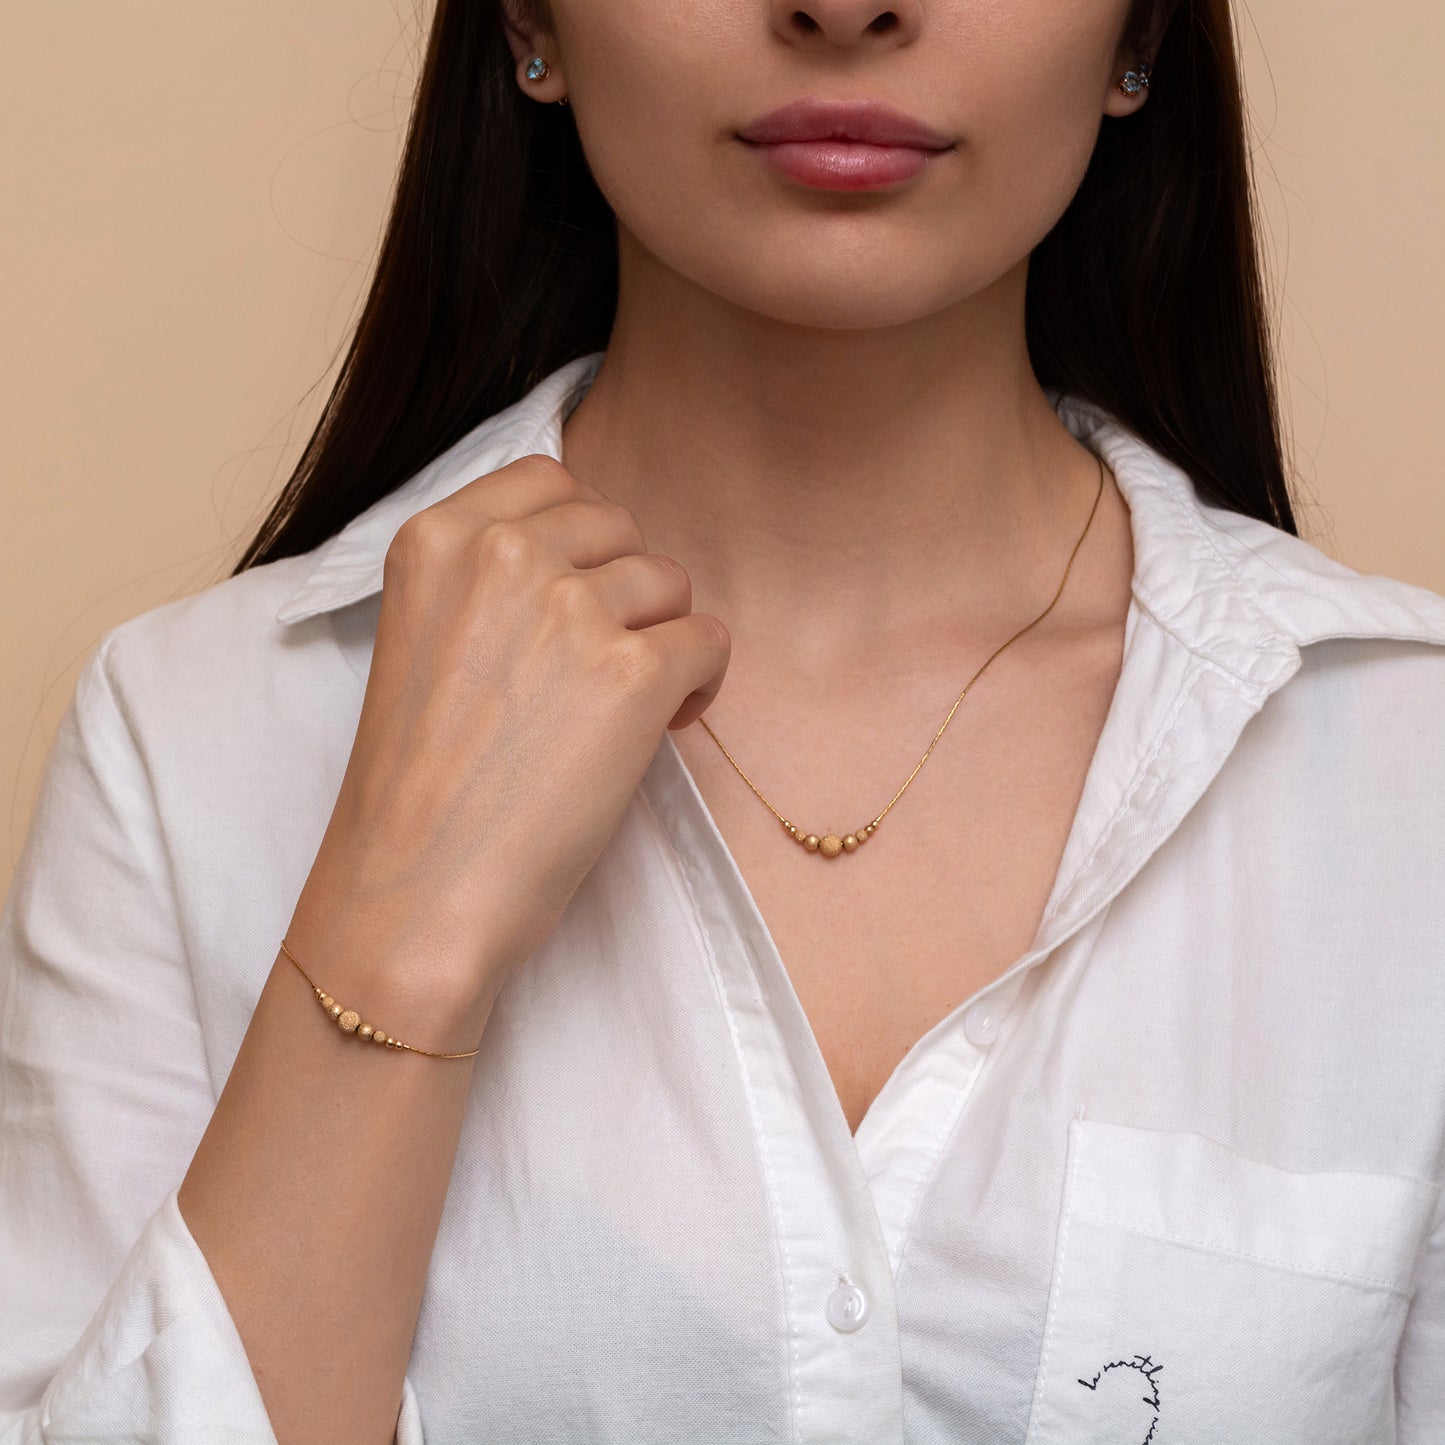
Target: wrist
point(353, 1018)
point(392, 977)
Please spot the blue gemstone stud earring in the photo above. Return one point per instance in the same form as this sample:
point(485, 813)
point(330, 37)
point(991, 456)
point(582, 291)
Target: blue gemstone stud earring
point(1136, 80)
point(538, 69)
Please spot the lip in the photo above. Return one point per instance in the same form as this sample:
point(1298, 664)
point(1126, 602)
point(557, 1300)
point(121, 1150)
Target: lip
point(870, 122)
point(844, 145)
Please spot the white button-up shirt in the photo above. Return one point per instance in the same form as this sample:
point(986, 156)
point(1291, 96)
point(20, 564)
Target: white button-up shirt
point(1174, 1176)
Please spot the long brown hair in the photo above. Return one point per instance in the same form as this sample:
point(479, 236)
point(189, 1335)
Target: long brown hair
point(499, 264)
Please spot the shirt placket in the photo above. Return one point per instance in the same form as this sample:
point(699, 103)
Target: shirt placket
point(840, 1336)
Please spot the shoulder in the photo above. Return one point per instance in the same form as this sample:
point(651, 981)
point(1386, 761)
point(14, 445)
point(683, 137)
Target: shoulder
point(1348, 667)
point(236, 613)
point(1258, 603)
point(1362, 717)
point(235, 730)
point(1313, 598)
point(214, 671)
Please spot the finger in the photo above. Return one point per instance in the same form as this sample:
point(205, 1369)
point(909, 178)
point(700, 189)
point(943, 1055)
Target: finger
point(587, 533)
point(694, 650)
point(639, 590)
point(517, 490)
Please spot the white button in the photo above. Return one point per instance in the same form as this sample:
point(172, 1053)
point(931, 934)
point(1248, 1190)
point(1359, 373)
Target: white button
point(980, 1023)
point(847, 1306)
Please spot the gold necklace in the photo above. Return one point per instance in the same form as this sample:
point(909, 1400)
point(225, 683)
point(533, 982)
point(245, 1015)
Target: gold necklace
point(831, 844)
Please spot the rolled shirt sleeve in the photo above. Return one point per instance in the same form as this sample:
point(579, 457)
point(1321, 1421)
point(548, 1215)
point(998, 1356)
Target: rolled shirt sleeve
point(111, 1323)
point(1420, 1359)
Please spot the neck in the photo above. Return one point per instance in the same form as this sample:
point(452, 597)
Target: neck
point(829, 490)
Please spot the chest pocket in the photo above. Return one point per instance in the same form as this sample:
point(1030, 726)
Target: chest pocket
point(1200, 1297)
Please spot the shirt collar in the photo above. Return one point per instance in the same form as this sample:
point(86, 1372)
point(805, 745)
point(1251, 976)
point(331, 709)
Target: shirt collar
point(1236, 591)
point(348, 567)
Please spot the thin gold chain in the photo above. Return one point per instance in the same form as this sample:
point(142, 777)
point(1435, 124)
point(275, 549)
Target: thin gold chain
point(830, 844)
point(350, 1022)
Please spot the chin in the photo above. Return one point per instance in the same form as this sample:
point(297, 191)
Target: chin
point(828, 300)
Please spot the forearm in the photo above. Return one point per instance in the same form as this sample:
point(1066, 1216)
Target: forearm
point(317, 1189)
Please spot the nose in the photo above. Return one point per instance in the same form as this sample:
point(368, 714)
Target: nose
point(846, 23)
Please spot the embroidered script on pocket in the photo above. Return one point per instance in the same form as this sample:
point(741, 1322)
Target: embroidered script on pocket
point(1120, 1405)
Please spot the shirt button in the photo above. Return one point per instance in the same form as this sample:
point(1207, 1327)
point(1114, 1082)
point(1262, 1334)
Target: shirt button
point(980, 1023)
point(847, 1306)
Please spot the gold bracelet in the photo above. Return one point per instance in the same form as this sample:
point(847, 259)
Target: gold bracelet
point(349, 1021)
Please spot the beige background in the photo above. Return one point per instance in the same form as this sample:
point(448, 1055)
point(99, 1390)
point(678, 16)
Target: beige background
point(192, 195)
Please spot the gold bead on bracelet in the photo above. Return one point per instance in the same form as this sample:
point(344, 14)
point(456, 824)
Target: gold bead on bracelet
point(349, 1021)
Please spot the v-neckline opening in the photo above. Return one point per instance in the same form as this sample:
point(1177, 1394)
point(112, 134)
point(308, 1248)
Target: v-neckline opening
point(751, 923)
point(1101, 804)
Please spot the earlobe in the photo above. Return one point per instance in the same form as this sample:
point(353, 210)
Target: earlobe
point(539, 81)
point(1135, 84)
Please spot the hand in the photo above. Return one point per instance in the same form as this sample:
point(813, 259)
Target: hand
point(529, 653)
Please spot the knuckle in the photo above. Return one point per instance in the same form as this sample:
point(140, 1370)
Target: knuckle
point(571, 596)
point(421, 537)
point(505, 546)
point(554, 472)
point(637, 663)
point(627, 524)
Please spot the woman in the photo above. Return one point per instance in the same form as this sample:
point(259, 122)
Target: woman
point(1055, 1061)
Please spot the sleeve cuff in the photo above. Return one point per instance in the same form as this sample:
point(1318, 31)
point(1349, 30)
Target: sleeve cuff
point(161, 1359)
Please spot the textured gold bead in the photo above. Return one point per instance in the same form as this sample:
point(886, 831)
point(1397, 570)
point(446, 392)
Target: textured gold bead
point(830, 845)
point(364, 1031)
point(326, 999)
point(850, 841)
point(349, 1020)
point(335, 1009)
point(378, 1036)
